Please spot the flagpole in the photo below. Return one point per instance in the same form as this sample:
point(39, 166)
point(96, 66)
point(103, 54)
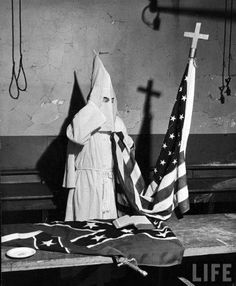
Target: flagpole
point(196, 35)
point(189, 101)
point(168, 189)
point(181, 197)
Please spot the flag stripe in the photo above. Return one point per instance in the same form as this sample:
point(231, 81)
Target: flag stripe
point(14, 236)
point(168, 189)
point(155, 247)
point(184, 206)
point(182, 194)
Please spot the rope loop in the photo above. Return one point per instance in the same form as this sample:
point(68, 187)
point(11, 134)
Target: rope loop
point(228, 79)
point(14, 80)
point(21, 71)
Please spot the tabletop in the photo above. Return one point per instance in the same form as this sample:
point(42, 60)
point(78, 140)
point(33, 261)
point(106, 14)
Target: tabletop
point(206, 234)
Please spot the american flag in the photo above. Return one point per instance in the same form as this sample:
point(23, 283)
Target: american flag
point(168, 189)
point(99, 237)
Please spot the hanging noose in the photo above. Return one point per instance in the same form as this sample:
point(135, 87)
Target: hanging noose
point(14, 87)
point(222, 87)
point(21, 67)
point(13, 83)
point(225, 88)
point(228, 79)
point(222, 98)
point(228, 90)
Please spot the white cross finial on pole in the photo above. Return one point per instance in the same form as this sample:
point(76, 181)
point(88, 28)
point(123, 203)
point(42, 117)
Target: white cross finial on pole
point(196, 36)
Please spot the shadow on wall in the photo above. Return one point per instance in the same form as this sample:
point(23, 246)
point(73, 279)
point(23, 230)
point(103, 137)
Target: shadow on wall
point(52, 162)
point(151, 14)
point(143, 144)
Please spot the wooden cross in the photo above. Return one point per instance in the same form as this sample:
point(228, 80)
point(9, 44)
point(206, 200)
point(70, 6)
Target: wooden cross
point(196, 36)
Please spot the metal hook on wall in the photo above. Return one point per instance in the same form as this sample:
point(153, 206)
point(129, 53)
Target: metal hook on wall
point(153, 8)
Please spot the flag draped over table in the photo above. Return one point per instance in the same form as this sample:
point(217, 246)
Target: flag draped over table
point(154, 247)
point(168, 189)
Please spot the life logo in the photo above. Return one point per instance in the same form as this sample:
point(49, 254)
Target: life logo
point(212, 273)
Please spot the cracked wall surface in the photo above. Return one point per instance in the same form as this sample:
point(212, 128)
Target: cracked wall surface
point(58, 38)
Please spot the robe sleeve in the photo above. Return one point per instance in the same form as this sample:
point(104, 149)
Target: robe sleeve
point(86, 121)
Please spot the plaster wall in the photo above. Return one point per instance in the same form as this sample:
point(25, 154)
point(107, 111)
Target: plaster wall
point(58, 38)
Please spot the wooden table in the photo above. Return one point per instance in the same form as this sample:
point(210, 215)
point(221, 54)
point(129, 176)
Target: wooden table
point(206, 234)
point(200, 235)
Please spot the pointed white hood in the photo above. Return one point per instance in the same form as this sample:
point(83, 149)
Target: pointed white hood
point(103, 94)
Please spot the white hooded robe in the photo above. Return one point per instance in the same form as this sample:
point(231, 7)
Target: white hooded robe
point(89, 168)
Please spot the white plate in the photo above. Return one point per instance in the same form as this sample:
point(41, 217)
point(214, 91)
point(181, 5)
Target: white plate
point(20, 252)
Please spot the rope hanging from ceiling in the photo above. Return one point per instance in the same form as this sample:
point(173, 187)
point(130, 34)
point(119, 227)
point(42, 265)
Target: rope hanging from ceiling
point(225, 82)
point(15, 79)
